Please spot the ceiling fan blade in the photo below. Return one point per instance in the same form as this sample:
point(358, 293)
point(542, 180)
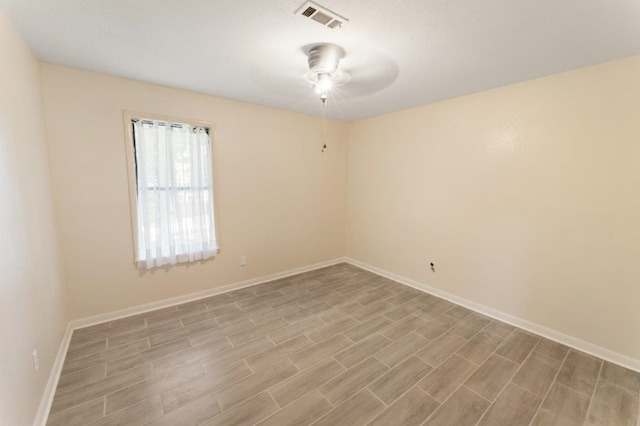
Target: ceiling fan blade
point(369, 75)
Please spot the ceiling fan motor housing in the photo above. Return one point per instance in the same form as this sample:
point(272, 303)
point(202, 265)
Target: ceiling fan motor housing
point(324, 58)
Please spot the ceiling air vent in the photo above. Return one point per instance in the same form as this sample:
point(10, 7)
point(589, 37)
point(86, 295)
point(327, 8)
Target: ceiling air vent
point(309, 11)
point(321, 15)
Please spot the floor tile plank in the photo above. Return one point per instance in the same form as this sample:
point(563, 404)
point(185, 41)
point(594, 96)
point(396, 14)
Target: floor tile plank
point(342, 387)
point(304, 411)
point(371, 311)
point(515, 406)
point(491, 377)
point(479, 347)
point(562, 407)
point(332, 328)
point(85, 350)
point(357, 410)
point(499, 328)
point(255, 332)
point(517, 346)
point(621, 376)
point(411, 409)
point(306, 381)
point(613, 405)
point(78, 395)
point(228, 355)
point(360, 351)
point(436, 352)
point(249, 412)
point(463, 408)
point(105, 356)
point(392, 384)
point(254, 384)
point(537, 374)
point(293, 330)
point(276, 353)
point(194, 413)
point(579, 372)
point(552, 349)
point(470, 325)
point(445, 379)
point(401, 349)
point(366, 328)
point(214, 380)
point(402, 327)
point(316, 353)
point(80, 414)
point(138, 414)
point(82, 377)
point(149, 355)
point(151, 387)
point(144, 333)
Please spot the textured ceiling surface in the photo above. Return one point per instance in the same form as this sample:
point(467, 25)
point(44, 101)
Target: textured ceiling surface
point(400, 54)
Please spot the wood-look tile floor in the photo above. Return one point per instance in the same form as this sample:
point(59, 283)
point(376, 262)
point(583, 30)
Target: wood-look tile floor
point(334, 346)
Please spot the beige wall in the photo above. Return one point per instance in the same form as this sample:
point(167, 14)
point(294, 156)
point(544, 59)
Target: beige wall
point(527, 199)
point(32, 308)
point(281, 202)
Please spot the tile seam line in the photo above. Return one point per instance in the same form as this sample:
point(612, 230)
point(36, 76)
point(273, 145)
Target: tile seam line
point(552, 382)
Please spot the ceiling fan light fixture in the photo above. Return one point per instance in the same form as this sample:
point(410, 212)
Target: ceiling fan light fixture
point(324, 82)
point(324, 75)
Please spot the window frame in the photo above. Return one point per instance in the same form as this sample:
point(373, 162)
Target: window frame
point(128, 116)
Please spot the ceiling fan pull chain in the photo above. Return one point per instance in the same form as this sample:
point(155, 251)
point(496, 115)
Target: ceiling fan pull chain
point(324, 124)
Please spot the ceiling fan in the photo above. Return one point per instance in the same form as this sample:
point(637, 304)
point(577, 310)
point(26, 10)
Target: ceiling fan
point(329, 66)
point(345, 72)
point(324, 75)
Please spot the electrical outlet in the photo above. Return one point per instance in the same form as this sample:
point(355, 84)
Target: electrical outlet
point(243, 260)
point(36, 360)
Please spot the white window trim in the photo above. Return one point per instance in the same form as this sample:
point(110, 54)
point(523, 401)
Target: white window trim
point(131, 170)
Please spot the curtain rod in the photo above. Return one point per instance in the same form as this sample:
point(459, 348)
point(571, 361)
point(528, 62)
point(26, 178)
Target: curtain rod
point(164, 123)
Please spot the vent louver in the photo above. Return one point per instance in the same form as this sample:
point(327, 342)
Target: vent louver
point(310, 11)
point(321, 15)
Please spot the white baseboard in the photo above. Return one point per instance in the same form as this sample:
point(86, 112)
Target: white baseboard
point(565, 339)
point(134, 310)
point(54, 376)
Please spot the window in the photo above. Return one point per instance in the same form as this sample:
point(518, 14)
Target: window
point(172, 196)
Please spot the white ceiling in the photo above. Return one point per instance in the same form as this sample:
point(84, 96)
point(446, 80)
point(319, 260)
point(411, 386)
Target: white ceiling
point(400, 53)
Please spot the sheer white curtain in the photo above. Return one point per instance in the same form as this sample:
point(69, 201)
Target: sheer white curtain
point(174, 193)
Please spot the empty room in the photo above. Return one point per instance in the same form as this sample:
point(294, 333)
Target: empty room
point(320, 213)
